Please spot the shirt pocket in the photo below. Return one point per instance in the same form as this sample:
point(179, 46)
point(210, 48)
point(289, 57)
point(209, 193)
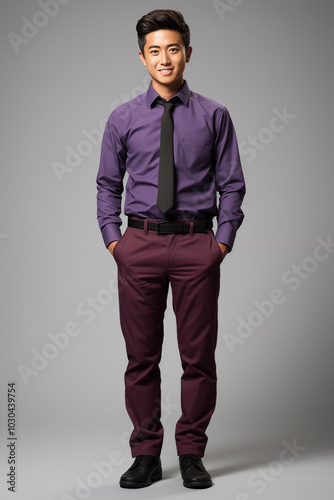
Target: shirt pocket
point(195, 156)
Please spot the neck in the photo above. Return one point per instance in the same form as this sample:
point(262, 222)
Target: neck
point(167, 92)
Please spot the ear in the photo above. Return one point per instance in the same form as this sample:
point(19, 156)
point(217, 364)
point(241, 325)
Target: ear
point(189, 52)
point(141, 55)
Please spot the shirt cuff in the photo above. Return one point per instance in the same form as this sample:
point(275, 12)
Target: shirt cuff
point(226, 234)
point(111, 232)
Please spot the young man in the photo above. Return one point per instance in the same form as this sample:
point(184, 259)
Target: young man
point(178, 148)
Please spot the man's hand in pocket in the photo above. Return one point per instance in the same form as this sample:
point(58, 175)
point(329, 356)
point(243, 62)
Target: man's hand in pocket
point(111, 246)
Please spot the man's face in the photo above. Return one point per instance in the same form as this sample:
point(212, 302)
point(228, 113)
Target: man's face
point(165, 58)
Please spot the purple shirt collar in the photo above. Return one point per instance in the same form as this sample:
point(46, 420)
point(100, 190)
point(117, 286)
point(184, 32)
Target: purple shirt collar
point(184, 94)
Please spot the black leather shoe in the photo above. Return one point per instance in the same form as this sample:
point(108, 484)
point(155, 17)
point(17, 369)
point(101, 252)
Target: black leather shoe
point(193, 472)
point(144, 471)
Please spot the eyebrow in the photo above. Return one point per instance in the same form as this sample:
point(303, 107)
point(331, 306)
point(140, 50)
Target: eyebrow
point(170, 45)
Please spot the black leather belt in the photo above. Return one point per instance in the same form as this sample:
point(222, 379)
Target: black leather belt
point(172, 227)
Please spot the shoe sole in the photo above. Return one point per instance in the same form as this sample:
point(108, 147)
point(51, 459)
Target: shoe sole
point(198, 485)
point(129, 484)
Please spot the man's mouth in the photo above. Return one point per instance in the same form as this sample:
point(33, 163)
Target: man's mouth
point(166, 71)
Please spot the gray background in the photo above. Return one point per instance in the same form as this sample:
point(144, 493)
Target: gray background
point(274, 385)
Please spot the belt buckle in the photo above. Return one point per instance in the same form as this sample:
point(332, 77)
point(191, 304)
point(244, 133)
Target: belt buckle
point(161, 225)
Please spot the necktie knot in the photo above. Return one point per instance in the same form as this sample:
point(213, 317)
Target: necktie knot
point(166, 104)
point(169, 106)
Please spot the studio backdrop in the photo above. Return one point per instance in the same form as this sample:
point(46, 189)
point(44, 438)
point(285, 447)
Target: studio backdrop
point(66, 64)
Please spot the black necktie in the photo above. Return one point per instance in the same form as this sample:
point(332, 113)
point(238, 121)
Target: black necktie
point(165, 197)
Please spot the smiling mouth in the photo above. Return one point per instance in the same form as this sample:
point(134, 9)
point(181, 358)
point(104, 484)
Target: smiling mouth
point(166, 71)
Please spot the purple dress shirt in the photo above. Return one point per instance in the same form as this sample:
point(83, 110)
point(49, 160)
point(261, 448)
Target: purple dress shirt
point(206, 158)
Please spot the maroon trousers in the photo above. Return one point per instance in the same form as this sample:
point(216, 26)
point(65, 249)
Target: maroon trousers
point(147, 262)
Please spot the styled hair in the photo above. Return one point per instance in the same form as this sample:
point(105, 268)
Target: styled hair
point(162, 19)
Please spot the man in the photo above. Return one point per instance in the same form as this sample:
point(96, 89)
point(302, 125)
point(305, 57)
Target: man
point(178, 148)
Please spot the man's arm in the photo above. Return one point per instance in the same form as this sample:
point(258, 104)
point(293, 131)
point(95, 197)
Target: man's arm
point(229, 180)
point(110, 182)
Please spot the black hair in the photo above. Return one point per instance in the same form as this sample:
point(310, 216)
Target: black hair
point(162, 19)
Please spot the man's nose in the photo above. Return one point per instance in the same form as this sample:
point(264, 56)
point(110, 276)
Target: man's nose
point(164, 57)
